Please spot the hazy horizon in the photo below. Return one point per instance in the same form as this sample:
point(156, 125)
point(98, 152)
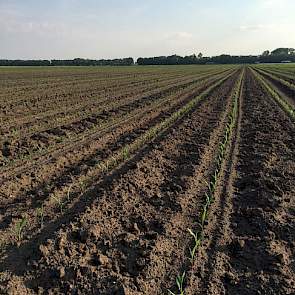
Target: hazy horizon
point(67, 29)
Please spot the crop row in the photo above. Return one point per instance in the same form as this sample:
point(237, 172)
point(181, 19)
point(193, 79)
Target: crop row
point(39, 148)
point(277, 78)
point(198, 234)
point(86, 109)
point(124, 153)
point(280, 71)
point(280, 100)
point(63, 96)
point(49, 104)
point(99, 150)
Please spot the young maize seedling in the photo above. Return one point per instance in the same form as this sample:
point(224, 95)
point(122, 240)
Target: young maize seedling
point(212, 186)
point(222, 149)
point(107, 166)
point(69, 192)
point(40, 214)
point(113, 162)
point(215, 177)
point(219, 161)
point(209, 199)
point(204, 215)
point(125, 153)
point(82, 185)
point(102, 167)
point(197, 241)
point(179, 283)
point(18, 231)
point(59, 202)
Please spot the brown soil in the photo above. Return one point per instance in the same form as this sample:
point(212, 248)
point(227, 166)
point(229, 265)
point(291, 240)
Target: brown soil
point(125, 231)
point(286, 92)
point(250, 244)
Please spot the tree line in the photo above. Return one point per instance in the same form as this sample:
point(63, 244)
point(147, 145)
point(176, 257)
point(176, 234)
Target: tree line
point(276, 56)
point(70, 62)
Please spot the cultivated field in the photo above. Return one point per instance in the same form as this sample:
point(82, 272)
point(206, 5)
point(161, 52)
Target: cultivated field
point(147, 180)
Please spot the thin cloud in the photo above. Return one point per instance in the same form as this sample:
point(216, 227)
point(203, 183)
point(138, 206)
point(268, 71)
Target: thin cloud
point(179, 36)
point(258, 27)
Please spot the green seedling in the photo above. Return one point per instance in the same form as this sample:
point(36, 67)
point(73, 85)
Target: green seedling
point(59, 202)
point(222, 148)
point(219, 161)
point(19, 228)
point(107, 165)
point(179, 283)
point(203, 215)
point(209, 199)
point(40, 214)
point(215, 177)
point(212, 186)
point(197, 241)
point(69, 193)
point(125, 153)
point(113, 161)
point(82, 185)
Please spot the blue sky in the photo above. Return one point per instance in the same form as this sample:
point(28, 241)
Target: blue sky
point(108, 29)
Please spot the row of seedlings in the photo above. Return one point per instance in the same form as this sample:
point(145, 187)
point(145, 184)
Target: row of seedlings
point(117, 159)
point(281, 101)
point(211, 187)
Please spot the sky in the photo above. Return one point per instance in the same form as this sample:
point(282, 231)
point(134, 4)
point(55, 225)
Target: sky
point(47, 29)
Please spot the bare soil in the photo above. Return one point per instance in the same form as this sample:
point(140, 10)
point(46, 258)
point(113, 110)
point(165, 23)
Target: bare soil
point(125, 230)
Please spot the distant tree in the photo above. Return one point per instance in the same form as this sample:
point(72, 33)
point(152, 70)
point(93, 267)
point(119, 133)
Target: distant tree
point(200, 55)
point(266, 53)
point(281, 51)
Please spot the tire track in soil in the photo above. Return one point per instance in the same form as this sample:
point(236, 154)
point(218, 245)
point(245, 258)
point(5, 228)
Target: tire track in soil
point(110, 196)
point(252, 250)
